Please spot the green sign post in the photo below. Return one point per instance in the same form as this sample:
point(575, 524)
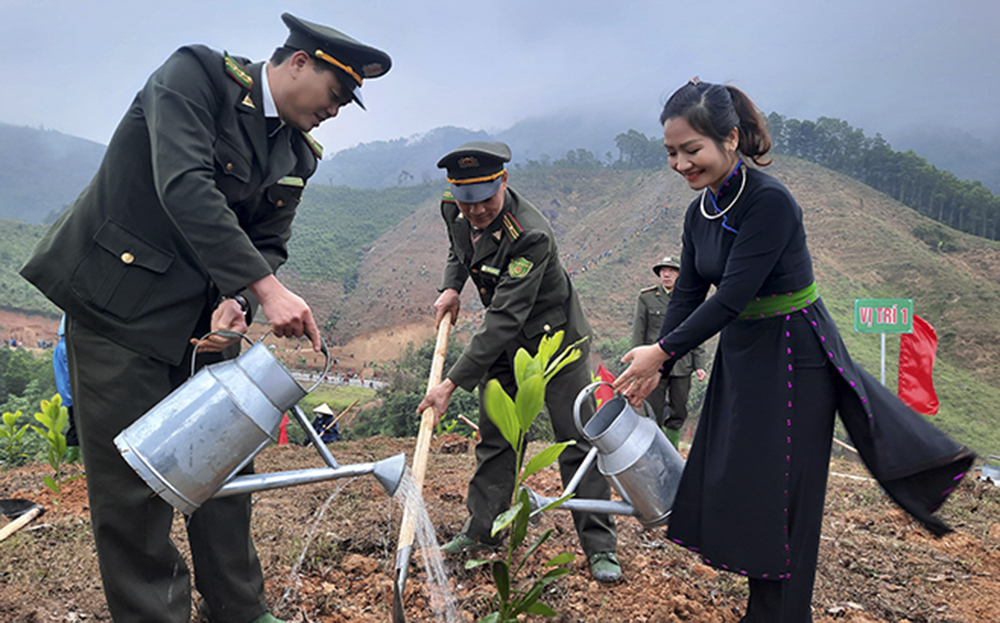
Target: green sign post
point(883, 316)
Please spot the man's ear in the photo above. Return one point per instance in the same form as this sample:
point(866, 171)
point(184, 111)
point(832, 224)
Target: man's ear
point(299, 61)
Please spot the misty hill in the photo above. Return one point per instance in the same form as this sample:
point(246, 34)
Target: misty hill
point(413, 160)
point(369, 263)
point(613, 224)
point(43, 171)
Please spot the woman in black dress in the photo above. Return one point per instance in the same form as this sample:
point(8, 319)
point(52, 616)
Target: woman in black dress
point(751, 497)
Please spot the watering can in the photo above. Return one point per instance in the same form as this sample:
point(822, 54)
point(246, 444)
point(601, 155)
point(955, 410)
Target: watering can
point(633, 454)
point(191, 444)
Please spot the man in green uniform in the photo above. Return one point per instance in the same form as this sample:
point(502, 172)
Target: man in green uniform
point(181, 231)
point(508, 249)
point(669, 399)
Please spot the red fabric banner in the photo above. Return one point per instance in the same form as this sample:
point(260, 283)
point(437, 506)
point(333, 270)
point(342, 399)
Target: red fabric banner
point(917, 352)
point(604, 393)
point(283, 431)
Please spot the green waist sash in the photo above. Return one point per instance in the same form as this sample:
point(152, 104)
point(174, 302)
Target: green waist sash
point(779, 304)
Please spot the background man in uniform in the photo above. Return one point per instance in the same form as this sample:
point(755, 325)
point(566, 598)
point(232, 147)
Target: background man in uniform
point(508, 249)
point(181, 231)
point(649, 312)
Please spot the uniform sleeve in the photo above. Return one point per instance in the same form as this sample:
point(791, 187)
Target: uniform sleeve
point(513, 300)
point(180, 102)
point(639, 323)
point(769, 225)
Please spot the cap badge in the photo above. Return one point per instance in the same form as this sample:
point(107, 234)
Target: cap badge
point(372, 69)
point(468, 162)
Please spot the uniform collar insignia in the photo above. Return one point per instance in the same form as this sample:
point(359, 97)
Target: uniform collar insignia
point(248, 102)
point(496, 235)
point(316, 148)
point(512, 227)
point(239, 73)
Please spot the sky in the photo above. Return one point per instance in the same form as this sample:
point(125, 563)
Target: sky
point(888, 66)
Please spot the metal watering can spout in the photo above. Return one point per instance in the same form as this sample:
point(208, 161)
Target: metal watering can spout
point(389, 472)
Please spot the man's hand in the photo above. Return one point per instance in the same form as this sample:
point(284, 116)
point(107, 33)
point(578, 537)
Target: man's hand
point(449, 301)
point(228, 315)
point(701, 374)
point(288, 314)
point(438, 398)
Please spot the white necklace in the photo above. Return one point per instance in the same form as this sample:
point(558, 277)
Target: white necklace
point(712, 217)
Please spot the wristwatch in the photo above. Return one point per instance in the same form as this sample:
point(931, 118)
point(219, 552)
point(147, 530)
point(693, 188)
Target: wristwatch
point(244, 305)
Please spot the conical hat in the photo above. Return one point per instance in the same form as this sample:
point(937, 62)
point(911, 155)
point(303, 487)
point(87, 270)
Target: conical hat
point(324, 409)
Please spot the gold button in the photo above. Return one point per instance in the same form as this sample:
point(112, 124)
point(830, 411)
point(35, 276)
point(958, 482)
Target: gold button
point(127, 257)
point(475, 270)
point(546, 328)
point(280, 203)
point(482, 290)
point(229, 166)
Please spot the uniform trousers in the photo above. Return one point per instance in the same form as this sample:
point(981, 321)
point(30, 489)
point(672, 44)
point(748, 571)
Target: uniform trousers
point(669, 400)
point(492, 486)
point(146, 579)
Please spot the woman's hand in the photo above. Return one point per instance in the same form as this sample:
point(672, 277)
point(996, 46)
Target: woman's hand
point(642, 375)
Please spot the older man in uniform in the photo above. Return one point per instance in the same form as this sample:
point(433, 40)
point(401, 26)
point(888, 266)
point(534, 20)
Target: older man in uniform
point(506, 246)
point(669, 400)
point(181, 231)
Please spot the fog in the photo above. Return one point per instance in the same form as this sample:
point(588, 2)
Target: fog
point(891, 67)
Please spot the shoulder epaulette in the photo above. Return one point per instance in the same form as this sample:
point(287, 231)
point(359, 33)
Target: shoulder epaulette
point(512, 227)
point(239, 73)
point(649, 289)
point(447, 197)
point(316, 148)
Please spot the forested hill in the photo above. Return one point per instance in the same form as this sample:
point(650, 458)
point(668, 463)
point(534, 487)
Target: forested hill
point(371, 261)
point(43, 171)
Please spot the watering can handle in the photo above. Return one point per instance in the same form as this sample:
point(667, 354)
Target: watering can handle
point(584, 393)
point(236, 335)
point(233, 335)
point(590, 388)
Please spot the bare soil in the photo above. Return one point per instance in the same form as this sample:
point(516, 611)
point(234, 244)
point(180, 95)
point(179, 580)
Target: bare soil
point(875, 566)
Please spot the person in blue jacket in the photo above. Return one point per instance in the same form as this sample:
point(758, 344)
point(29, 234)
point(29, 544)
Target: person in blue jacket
point(61, 369)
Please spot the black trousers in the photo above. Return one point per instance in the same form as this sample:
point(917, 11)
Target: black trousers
point(145, 577)
point(790, 600)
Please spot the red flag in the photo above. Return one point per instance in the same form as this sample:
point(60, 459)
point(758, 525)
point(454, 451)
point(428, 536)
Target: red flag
point(283, 431)
point(917, 351)
point(604, 393)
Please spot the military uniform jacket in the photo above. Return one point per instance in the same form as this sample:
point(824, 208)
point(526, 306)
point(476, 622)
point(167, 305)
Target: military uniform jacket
point(189, 203)
point(650, 309)
point(523, 286)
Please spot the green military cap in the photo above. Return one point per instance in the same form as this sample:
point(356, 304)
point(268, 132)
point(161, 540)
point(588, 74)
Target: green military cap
point(356, 60)
point(667, 261)
point(475, 170)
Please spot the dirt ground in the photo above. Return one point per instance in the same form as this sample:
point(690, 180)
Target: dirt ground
point(876, 565)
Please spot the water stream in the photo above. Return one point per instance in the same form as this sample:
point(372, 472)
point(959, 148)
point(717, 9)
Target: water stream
point(441, 598)
point(436, 586)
